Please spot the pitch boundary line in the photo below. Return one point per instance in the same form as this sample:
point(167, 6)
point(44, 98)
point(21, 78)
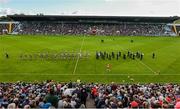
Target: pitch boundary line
point(77, 61)
point(92, 74)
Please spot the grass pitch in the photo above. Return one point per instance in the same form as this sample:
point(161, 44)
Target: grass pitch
point(164, 68)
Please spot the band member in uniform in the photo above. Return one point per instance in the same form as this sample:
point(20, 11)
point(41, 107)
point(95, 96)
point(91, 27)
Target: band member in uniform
point(141, 57)
point(119, 53)
point(128, 53)
point(153, 55)
point(109, 57)
point(117, 56)
point(113, 55)
point(97, 55)
point(7, 55)
point(133, 57)
point(124, 56)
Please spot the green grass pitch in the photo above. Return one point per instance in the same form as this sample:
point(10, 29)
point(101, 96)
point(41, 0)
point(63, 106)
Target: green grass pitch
point(167, 61)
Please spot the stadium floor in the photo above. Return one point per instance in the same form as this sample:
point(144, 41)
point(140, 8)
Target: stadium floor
point(164, 68)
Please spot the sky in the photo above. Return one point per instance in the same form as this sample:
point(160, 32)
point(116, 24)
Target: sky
point(92, 7)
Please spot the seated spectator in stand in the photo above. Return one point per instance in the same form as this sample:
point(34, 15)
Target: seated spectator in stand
point(126, 29)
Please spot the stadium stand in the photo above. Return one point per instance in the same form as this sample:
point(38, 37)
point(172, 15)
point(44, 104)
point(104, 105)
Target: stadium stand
point(51, 94)
point(95, 25)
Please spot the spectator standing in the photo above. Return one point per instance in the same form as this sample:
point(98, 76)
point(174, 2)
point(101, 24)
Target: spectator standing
point(52, 98)
point(83, 95)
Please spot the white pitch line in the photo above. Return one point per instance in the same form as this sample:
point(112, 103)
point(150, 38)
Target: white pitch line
point(78, 55)
point(90, 74)
point(148, 67)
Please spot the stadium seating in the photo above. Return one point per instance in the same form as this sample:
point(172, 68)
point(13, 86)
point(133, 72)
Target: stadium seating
point(123, 29)
point(51, 94)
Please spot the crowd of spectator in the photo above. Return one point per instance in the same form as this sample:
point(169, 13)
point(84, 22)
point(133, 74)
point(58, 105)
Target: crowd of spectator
point(47, 94)
point(127, 29)
point(50, 94)
point(136, 96)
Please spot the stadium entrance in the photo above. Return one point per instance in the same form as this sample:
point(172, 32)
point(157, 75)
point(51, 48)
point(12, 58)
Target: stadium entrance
point(8, 27)
point(175, 28)
point(178, 29)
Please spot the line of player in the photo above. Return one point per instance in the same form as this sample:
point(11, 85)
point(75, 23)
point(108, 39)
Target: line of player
point(117, 55)
point(55, 56)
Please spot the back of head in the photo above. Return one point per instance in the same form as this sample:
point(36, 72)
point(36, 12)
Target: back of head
point(12, 106)
point(51, 91)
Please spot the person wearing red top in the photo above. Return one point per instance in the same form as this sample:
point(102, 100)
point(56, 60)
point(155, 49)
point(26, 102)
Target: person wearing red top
point(94, 92)
point(134, 104)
